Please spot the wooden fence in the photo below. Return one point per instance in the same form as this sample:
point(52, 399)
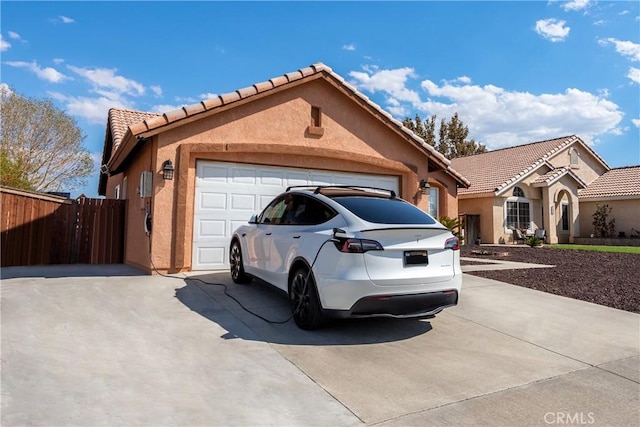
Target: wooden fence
point(43, 229)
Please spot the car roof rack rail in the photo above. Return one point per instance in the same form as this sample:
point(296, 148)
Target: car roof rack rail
point(319, 188)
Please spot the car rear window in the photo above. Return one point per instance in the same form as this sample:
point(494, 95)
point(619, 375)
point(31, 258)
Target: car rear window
point(385, 211)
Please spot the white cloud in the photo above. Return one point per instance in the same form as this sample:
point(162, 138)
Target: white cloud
point(163, 108)
point(107, 83)
point(13, 35)
point(552, 29)
point(58, 60)
point(157, 90)
point(600, 22)
point(391, 81)
point(5, 89)
point(624, 12)
point(350, 46)
point(634, 74)
point(202, 96)
point(575, 5)
point(4, 45)
point(94, 110)
point(499, 117)
point(627, 49)
point(66, 20)
point(49, 74)
point(636, 122)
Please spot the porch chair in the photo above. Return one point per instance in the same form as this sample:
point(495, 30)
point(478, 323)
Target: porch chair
point(540, 234)
point(517, 236)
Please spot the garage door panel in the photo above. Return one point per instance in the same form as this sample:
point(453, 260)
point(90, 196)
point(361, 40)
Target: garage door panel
point(243, 202)
point(212, 228)
point(228, 194)
point(270, 178)
point(210, 258)
point(243, 176)
point(297, 178)
point(213, 173)
point(212, 201)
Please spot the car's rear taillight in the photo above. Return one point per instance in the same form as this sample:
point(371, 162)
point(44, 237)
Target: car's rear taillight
point(452, 243)
point(357, 246)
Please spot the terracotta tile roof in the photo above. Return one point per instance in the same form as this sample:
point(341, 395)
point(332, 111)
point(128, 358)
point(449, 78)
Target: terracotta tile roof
point(496, 170)
point(148, 124)
point(615, 183)
point(120, 120)
point(554, 175)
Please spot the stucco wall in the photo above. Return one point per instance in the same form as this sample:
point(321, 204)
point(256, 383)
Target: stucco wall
point(273, 130)
point(483, 207)
point(625, 212)
point(589, 168)
point(137, 242)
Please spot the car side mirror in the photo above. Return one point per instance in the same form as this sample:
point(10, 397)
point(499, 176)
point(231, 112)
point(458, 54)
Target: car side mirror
point(253, 219)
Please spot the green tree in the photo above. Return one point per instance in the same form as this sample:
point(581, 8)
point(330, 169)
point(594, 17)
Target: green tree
point(452, 136)
point(40, 145)
point(426, 130)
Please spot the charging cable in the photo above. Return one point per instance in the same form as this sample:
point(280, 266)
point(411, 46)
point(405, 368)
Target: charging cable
point(196, 282)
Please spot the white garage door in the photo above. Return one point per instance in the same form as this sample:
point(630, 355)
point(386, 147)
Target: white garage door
point(227, 194)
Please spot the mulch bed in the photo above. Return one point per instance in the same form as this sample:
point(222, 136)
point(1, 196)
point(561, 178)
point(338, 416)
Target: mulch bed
point(610, 279)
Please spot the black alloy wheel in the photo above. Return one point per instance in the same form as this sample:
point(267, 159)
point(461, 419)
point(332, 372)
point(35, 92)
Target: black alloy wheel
point(235, 260)
point(303, 297)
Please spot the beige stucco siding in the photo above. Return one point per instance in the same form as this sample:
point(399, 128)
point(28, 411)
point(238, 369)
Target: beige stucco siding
point(625, 212)
point(589, 168)
point(484, 207)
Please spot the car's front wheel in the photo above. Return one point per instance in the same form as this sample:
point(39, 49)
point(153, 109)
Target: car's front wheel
point(237, 268)
point(303, 297)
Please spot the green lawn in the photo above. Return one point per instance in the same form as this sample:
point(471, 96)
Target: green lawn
point(618, 249)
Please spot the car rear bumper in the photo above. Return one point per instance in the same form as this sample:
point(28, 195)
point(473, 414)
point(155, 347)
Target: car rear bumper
point(399, 306)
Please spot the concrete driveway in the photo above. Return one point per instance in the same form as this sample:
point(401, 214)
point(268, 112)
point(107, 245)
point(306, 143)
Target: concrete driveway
point(104, 345)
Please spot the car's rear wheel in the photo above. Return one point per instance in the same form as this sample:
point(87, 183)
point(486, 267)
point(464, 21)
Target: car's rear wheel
point(303, 297)
point(235, 260)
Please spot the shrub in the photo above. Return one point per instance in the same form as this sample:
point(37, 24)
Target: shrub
point(602, 228)
point(533, 241)
point(452, 224)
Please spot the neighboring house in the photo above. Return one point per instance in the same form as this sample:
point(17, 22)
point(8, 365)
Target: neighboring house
point(618, 188)
point(529, 187)
point(228, 156)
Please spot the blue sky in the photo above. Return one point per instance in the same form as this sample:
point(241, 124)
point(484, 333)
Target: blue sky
point(515, 72)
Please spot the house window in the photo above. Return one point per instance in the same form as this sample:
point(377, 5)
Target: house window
point(117, 193)
point(517, 211)
point(574, 158)
point(517, 192)
point(565, 217)
point(434, 194)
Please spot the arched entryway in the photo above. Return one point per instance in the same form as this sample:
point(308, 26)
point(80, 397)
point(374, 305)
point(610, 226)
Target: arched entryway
point(566, 216)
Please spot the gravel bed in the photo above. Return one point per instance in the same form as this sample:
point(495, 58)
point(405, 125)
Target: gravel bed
point(610, 279)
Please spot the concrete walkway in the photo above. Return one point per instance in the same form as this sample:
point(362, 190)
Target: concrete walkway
point(103, 345)
point(490, 264)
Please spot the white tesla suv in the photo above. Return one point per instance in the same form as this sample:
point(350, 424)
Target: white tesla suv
point(342, 251)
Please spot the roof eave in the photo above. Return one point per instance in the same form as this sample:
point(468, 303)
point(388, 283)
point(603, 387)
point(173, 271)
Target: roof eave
point(609, 198)
point(502, 188)
point(128, 144)
point(477, 195)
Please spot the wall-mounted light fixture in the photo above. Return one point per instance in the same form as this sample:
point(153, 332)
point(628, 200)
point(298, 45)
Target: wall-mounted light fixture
point(167, 170)
point(424, 186)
